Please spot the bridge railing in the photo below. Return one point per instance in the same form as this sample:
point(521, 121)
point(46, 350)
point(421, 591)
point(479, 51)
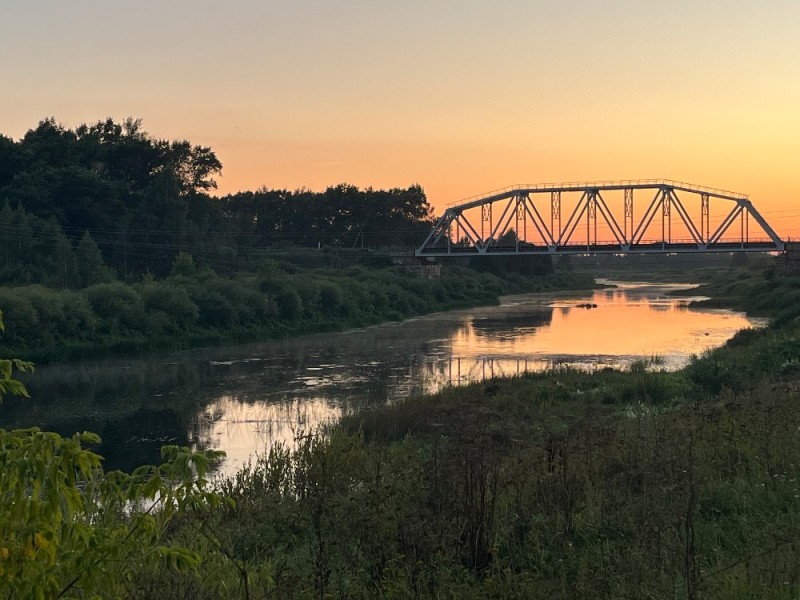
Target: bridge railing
point(575, 185)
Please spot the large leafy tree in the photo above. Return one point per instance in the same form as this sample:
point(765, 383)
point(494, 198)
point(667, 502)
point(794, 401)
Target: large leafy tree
point(144, 199)
point(190, 168)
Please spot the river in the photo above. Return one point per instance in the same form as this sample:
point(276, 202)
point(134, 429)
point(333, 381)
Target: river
point(240, 399)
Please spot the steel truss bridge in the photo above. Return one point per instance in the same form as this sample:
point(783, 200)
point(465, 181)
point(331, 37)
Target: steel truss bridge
point(527, 219)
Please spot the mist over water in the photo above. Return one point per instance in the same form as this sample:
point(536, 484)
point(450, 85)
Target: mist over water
point(241, 399)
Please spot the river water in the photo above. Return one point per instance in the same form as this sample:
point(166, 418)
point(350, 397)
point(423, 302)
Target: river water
point(240, 399)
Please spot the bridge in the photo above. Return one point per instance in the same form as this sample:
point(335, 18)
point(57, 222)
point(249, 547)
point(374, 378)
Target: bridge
point(601, 218)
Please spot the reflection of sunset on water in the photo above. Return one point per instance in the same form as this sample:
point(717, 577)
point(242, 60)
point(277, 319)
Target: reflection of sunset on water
point(620, 325)
point(241, 399)
point(298, 390)
point(248, 429)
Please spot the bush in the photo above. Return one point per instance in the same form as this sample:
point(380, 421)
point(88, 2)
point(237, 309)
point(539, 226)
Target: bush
point(79, 320)
point(21, 319)
point(118, 306)
point(172, 301)
point(289, 303)
point(330, 297)
point(250, 306)
point(49, 308)
point(215, 309)
point(309, 292)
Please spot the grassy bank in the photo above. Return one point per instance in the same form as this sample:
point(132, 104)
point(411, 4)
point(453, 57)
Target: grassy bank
point(196, 307)
point(641, 484)
point(638, 484)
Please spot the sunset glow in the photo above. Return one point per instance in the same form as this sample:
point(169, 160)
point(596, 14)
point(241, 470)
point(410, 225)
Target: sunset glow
point(460, 97)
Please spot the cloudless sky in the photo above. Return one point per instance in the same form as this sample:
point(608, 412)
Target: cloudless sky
point(460, 97)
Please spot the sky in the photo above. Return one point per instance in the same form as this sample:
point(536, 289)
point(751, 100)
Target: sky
point(458, 97)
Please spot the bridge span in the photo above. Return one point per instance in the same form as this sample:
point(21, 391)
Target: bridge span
point(601, 218)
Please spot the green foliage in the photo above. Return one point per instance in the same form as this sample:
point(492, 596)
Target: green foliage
point(19, 313)
point(91, 267)
point(289, 303)
point(170, 304)
point(215, 310)
point(196, 306)
point(69, 530)
point(146, 200)
point(37, 250)
point(183, 265)
point(330, 298)
point(560, 484)
point(118, 305)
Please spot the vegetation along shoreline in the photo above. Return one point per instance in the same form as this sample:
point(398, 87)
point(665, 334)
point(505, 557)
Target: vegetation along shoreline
point(559, 484)
point(562, 484)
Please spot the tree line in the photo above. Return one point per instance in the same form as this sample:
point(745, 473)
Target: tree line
point(142, 200)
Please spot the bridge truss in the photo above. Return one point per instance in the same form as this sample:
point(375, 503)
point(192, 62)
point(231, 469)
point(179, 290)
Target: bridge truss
point(602, 218)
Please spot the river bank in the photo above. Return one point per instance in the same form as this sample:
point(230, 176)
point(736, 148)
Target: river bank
point(242, 398)
point(195, 308)
point(559, 484)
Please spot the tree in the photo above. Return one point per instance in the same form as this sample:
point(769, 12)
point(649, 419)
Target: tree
point(10, 160)
point(183, 265)
point(69, 530)
point(53, 256)
point(91, 266)
point(50, 144)
point(191, 168)
point(18, 239)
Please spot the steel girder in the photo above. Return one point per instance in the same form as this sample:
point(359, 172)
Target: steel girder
point(521, 209)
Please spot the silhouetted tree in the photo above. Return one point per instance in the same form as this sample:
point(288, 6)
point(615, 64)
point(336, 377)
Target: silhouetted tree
point(91, 267)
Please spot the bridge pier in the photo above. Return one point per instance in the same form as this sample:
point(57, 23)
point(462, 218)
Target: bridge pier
point(419, 266)
point(787, 264)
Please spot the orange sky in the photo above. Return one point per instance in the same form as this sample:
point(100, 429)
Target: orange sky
point(461, 96)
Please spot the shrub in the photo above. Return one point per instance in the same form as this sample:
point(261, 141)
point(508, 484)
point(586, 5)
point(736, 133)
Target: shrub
point(247, 304)
point(215, 309)
point(79, 320)
point(22, 321)
point(289, 303)
point(117, 305)
point(172, 301)
point(330, 297)
point(49, 308)
point(309, 292)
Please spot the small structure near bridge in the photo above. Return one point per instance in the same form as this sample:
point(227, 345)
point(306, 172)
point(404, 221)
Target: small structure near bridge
point(787, 264)
point(419, 266)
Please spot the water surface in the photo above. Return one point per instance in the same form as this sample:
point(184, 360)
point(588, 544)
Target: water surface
point(240, 399)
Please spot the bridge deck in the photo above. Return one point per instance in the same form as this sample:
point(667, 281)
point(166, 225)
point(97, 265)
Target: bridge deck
point(575, 249)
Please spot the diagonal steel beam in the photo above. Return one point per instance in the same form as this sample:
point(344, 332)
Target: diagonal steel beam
point(610, 220)
point(521, 205)
point(566, 234)
point(441, 225)
point(726, 223)
point(647, 218)
point(541, 226)
point(500, 228)
point(687, 220)
point(764, 225)
point(470, 231)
